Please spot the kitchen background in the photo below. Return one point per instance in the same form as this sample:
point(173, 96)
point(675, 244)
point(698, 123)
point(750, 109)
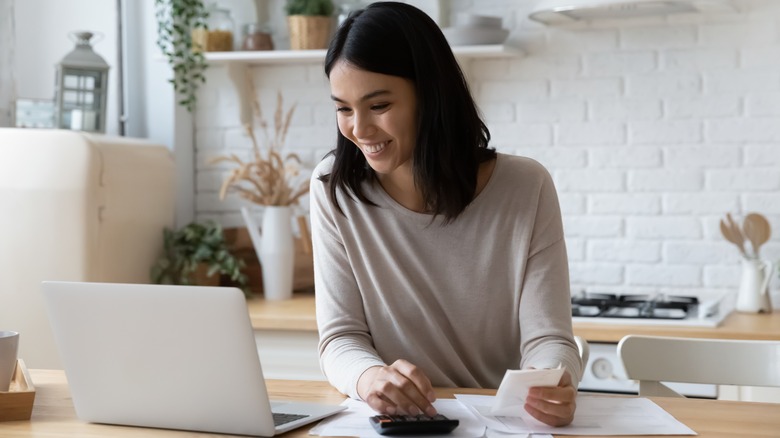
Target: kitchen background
point(653, 128)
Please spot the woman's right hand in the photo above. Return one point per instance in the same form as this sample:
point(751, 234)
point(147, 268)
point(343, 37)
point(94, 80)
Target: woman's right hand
point(400, 388)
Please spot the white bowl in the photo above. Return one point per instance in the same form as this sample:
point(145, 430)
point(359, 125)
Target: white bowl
point(465, 19)
point(471, 36)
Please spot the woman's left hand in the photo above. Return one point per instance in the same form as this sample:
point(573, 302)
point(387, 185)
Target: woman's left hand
point(553, 405)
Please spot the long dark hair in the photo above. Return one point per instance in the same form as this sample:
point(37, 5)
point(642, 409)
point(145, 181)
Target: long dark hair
point(452, 140)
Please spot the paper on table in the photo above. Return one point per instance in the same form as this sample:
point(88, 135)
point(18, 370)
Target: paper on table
point(490, 433)
point(513, 390)
point(354, 421)
point(594, 416)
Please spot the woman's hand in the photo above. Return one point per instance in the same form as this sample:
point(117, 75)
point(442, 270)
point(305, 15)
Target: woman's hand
point(400, 388)
point(553, 405)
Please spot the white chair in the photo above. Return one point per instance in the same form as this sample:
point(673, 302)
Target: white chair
point(653, 359)
point(582, 346)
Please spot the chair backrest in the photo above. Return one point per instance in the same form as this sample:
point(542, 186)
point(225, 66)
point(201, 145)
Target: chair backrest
point(654, 359)
point(584, 348)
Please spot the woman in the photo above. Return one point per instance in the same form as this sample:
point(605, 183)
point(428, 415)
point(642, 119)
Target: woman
point(438, 262)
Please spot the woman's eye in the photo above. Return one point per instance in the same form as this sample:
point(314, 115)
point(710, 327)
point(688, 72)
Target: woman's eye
point(380, 106)
point(343, 109)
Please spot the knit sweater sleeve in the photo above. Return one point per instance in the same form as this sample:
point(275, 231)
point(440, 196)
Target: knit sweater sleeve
point(345, 345)
point(545, 309)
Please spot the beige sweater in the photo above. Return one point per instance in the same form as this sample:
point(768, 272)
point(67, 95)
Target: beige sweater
point(464, 301)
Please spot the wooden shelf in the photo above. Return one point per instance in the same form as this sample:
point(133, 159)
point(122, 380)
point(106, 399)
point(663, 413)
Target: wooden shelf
point(314, 56)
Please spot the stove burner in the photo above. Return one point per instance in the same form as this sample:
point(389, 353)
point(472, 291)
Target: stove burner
point(660, 306)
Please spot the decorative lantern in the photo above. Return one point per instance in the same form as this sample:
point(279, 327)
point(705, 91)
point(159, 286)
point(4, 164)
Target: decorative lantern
point(82, 87)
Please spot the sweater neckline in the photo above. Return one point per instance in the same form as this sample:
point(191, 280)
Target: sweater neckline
point(426, 217)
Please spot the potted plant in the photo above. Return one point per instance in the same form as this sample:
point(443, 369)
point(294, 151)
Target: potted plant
point(309, 23)
point(197, 254)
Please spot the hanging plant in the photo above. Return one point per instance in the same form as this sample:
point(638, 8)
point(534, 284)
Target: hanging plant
point(175, 20)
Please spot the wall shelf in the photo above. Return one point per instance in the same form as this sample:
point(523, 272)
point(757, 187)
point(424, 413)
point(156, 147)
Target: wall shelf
point(314, 56)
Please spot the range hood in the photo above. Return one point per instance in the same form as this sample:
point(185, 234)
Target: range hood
point(567, 11)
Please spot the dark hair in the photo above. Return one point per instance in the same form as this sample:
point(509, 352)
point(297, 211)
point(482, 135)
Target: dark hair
point(452, 140)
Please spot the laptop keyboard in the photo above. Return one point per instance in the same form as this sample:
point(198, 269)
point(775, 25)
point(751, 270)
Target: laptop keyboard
point(280, 419)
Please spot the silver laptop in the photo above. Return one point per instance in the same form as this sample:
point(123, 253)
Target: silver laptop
point(173, 357)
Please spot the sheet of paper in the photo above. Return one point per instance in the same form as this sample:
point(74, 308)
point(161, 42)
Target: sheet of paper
point(595, 415)
point(354, 421)
point(513, 390)
point(490, 433)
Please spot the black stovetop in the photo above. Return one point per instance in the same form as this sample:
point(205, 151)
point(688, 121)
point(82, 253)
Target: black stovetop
point(659, 306)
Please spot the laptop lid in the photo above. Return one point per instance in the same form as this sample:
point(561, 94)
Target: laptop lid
point(175, 357)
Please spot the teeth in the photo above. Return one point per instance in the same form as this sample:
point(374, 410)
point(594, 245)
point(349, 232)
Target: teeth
point(374, 148)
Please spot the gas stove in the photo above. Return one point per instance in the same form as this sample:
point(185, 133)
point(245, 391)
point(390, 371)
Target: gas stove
point(604, 371)
point(650, 309)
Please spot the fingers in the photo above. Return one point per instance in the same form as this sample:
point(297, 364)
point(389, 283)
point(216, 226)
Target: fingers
point(554, 406)
point(419, 380)
point(400, 388)
point(561, 418)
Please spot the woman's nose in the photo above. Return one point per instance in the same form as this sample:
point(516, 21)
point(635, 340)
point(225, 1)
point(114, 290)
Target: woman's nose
point(362, 126)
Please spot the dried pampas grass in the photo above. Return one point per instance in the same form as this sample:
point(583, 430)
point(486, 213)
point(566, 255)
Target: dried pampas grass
point(271, 178)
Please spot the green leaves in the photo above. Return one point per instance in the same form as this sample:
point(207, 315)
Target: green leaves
point(309, 7)
point(175, 20)
point(196, 243)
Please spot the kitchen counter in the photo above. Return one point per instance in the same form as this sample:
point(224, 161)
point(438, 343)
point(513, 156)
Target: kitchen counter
point(735, 326)
point(297, 314)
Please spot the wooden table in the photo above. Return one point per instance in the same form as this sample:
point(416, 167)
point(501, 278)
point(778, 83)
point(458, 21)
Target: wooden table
point(54, 417)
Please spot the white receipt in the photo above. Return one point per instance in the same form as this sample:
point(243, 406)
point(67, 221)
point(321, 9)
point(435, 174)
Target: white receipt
point(513, 390)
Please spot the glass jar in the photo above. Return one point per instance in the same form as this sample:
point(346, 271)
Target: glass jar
point(219, 35)
point(257, 37)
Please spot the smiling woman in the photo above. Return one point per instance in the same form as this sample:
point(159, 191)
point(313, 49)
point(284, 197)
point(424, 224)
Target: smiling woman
point(447, 244)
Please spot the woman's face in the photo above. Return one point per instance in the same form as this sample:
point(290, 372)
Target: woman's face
point(378, 114)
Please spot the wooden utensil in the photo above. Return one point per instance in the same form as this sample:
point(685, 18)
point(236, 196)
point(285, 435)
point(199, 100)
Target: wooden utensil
point(727, 232)
point(757, 230)
point(736, 233)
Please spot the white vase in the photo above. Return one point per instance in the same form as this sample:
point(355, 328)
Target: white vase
point(275, 248)
point(753, 295)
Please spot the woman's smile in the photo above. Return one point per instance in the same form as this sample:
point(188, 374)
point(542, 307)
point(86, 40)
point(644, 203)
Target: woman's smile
point(375, 148)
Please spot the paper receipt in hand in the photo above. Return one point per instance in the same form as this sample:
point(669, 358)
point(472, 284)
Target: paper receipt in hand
point(513, 390)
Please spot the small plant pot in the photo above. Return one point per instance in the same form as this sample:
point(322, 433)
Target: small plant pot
point(308, 32)
point(200, 276)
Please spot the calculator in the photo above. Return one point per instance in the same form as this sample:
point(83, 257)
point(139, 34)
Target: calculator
point(412, 424)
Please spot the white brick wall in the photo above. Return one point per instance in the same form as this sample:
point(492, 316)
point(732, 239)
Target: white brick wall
point(652, 128)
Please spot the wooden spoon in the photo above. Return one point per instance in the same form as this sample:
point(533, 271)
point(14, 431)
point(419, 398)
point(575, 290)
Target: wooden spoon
point(736, 232)
point(729, 235)
point(757, 230)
